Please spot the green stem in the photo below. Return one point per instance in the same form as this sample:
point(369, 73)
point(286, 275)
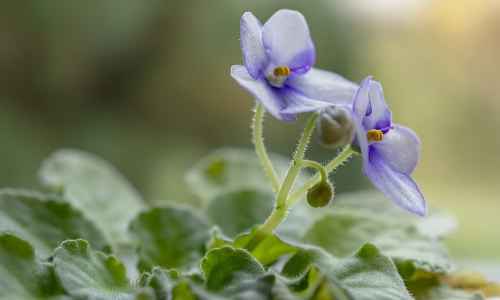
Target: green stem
point(317, 166)
point(258, 140)
point(345, 154)
point(276, 217)
point(281, 207)
point(304, 139)
point(298, 158)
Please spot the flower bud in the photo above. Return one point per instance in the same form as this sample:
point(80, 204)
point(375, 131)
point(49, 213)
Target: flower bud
point(320, 194)
point(336, 127)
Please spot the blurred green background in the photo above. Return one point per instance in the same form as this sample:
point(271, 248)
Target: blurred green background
point(146, 86)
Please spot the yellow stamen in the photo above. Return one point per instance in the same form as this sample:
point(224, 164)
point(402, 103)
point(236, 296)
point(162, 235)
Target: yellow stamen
point(374, 135)
point(281, 71)
point(278, 78)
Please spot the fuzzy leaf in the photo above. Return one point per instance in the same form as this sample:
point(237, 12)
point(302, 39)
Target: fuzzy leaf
point(429, 288)
point(367, 274)
point(235, 273)
point(45, 222)
point(225, 266)
point(238, 211)
point(169, 284)
point(169, 237)
point(412, 242)
point(371, 275)
point(231, 169)
point(89, 274)
point(437, 224)
point(96, 188)
point(23, 275)
point(341, 234)
point(162, 281)
point(267, 252)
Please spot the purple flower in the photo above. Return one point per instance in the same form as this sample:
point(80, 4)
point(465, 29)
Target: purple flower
point(278, 58)
point(390, 152)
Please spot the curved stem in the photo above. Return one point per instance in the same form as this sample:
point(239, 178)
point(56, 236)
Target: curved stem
point(258, 140)
point(317, 166)
point(281, 207)
point(337, 161)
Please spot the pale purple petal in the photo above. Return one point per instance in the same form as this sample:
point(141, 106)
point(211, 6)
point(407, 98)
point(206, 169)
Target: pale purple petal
point(360, 140)
point(273, 99)
point(254, 55)
point(399, 187)
point(324, 86)
point(286, 39)
point(298, 103)
point(399, 148)
point(379, 116)
point(361, 100)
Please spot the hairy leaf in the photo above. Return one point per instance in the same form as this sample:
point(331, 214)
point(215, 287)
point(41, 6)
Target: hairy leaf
point(267, 252)
point(169, 237)
point(231, 169)
point(44, 221)
point(96, 188)
point(234, 272)
point(366, 274)
point(238, 211)
point(90, 274)
point(341, 234)
point(23, 275)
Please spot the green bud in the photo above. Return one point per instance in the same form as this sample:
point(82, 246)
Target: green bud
point(336, 127)
point(320, 194)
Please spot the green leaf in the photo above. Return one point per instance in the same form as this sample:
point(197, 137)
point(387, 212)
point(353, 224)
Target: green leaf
point(187, 290)
point(238, 211)
point(371, 275)
point(234, 273)
point(330, 289)
point(231, 169)
point(367, 274)
point(44, 221)
point(433, 288)
point(437, 224)
point(412, 242)
point(309, 273)
point(162, 281)
point(341, 234)
point(266, 253)
point(228, 267)
point(23, 275)
point(96, 188)
point(183, 291)
point(169, 237)
point(169, 284)
point(89, 274)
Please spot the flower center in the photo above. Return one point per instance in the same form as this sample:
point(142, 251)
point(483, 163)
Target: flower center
point(374, 135)
point(280, 73)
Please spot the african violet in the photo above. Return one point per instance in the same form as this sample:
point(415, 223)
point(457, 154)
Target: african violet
point(261, 229)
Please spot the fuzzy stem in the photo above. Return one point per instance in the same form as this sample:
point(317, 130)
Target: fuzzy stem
point(317, 166)
point(344, 155)
point(258, 141)
point(298, 158)
point(281, 207)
